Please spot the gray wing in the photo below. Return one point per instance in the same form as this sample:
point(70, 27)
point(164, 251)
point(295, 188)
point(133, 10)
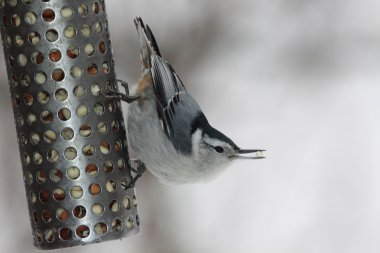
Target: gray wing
point(175, 107)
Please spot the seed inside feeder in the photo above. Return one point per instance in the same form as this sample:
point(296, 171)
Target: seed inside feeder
point(25, 80)
point(64, 114)
point(58, 75)
point(108, 166)
point(15, 20)
point(79, 211)
point(61, 94)
point(94, 189)
point(17, 100)
point(102, 127)
point(30, 18)
point(95, 89)
point(36, 217)
point(53, 155)
point(43, 97)
point(67, 12)
point(95, 7)
point(98, 27)
point(46, 117)
point(62, 214)
point(49, 235)
point(100, 228)
point(44, 196)
point(91, 169)
point(86, 30)
point(67, 133)
point(82, 111)
point(99, 108)
point(83, 10)
point(115, 126)
point(46, 215)
point(88, 150)
point(97, 209)
point(38, 236)
point(8, 41)
point(37, 157)
point(76, 192)
point(41, 176)
point(102, 47)
point(120, 163)
point(29, 177)
point(76, 72)
point(34, 138)
point(110, 186)
point(49, 136)
point(40, 77)
point(59, 194)
point(26, 159)
point(105, 68)
point(89, 49)
point(69, 32)
point(32, 197)
point(51, 35)
point(20, 120)
point(85, 130)
point(73, 172)
point(127, 203)
point(129, 222)
point(117, 225)
point(105, 147)
point(82, 231)
point(37, 57)
point(65, 234)
point(72, 52)
point(79, 91)
point(70, 154)
point(56, 175)
point(55, 55)
point(117, 145)
point(28, 98)
point(124, 183)
point(34, 38)
point(11, 61)
point(48, 15)
point(22, 60)
point(114, 206)
point(23, 139)
point(19, 41)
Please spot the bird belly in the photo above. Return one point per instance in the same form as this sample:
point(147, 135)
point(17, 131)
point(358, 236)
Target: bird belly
point(149, 143)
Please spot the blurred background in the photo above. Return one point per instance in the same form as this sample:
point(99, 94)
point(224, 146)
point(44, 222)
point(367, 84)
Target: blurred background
point(298, 78)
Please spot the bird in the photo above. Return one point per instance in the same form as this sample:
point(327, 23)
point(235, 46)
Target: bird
point(166, 128)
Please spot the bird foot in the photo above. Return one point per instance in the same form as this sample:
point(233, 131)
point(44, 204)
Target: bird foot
point(137, 168)
point(112, 93)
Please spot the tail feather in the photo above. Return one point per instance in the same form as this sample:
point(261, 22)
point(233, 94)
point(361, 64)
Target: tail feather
point(148, 44)
point(152, 40)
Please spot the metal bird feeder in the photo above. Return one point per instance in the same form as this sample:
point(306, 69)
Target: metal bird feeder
point(71, 137)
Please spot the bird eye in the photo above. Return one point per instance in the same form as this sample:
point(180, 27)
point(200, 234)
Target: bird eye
point(219, 149)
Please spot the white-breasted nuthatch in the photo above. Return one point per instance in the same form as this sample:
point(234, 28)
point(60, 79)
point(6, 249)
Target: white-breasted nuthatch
point(167, 129)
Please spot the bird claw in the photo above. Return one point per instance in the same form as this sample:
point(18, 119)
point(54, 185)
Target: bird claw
point(112, 93)
point(139, 171)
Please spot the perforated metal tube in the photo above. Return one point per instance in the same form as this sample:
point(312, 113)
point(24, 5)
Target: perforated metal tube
point(71, 137)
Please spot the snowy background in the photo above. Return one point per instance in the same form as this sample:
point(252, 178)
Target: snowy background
point(300, 79)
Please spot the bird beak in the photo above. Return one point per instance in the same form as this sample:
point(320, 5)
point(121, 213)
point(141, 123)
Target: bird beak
point(257, 153)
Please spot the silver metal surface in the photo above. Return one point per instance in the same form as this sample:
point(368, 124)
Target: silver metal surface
point(71, 138)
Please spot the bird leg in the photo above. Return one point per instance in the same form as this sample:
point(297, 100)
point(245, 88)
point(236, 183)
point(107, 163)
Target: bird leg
point(125, 97)
point(138, 170)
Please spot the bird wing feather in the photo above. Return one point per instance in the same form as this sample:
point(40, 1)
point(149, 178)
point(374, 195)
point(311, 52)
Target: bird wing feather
point(175, 107)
